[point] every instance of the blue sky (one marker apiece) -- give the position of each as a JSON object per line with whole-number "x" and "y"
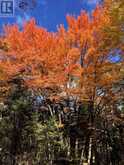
{"x": 49, "y": 13}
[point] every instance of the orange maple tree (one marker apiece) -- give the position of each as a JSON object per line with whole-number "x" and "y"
{"x": 98, "y": 73}
{"x": 78, "y": 55}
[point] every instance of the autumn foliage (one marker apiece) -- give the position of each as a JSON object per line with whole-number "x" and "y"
{"x": 78, "y": 54}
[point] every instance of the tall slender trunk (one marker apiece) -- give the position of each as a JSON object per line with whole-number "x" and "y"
{"x": 90, "y": 152}
{"x": 82, "y": 156}
{"x": 86, "y": 149}
{"x": 69, "y": 147}
{"x": 76, "y": 148}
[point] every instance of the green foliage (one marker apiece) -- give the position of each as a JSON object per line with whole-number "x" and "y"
{"x": 49, "y": 141}
{"x": 23, "y": 137}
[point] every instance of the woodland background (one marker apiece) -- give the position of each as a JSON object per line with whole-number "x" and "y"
{"x": 62, "y": 93}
